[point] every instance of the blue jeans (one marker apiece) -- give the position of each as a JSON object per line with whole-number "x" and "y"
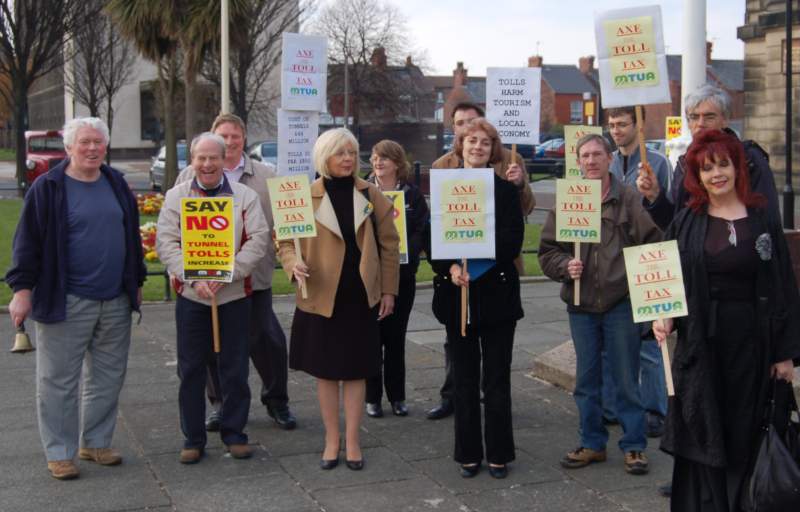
{"x": 615, "y": 332}
{"x": 652, "y": 384}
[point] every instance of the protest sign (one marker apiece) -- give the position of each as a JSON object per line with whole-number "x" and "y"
{"x": 297, "y": 134}
{"x": 631, "y": 59}
{"x": 655, "y": 281}
{"x": 674, "y": 126}
{"x": 398, "y": 199}
{"x": 304, "y": 73}
{"x": 462, "y": 213}
{"x": 207, "y": 238}
{"x": 573, "y": 133}
{"x": 513, "y": 98}
{"x": 292, "y": 211}
{"x": 578, "y": 211}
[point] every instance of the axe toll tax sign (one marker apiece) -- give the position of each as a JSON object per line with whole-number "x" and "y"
{"x": 290, "y": 198}
{"x": 207, "y": 238}
{"x": 572, "y": 134}
{"x": 655, "y": 281}
{"x": 578, "y": 211}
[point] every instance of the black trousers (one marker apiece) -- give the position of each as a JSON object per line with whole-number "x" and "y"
{"x": 267, "y": 345}
{"x": 393, "y": 341}
{"x": 488, "y": 350}
{"x": 195, "y": 349}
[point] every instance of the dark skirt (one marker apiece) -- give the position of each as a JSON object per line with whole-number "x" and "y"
{"x": 345, "y": 346}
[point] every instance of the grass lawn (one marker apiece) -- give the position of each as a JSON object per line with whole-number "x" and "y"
{"x": 154, "y": 286}
{"x": 7, "y": 155}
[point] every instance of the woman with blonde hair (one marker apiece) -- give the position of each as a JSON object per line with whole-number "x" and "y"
{"x": 350, "y": 271}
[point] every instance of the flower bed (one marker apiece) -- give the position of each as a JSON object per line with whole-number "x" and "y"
{"x": 148, "y": 232}
{"x": 150, "y": 203}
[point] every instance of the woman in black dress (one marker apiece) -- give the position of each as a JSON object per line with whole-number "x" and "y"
{"x": 390, "y": 173}
{"x": 351, "y": 284}
{"x": 743, "y": 326}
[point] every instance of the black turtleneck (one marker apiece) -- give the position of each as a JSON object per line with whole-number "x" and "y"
{"x": 340, "y": 190}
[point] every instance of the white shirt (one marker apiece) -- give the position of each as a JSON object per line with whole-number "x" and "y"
{"x": 235, "y": 174}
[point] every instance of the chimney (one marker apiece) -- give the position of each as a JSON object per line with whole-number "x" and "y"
{"x": 409, "y": 62}
{"x": 378, "y": 58}
{"x": 459, "y": 75}
{"x": 586, "y": 64}
{"x": 709, "y": 47}
{"x": 535, "y": 61}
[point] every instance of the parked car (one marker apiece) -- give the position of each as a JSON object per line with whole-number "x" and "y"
{"x": 556, "y": 149}
{"x": 159, "y": 162}
{"x": 548, "y": 145}
{"x": 657, "y": 145}
{"x": 43, "y": 151}
{"x": 447, "y": 142}
{"x": 264, "y": 151}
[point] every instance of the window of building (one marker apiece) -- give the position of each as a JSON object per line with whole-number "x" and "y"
{"x": 576, "y": 111}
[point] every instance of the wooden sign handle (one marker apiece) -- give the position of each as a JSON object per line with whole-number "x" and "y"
{"x": 667, "y": 369}
{"x": 576, "y": 299}
{"x": 513, "y": 153}
{"x": 464, "y": 301}
{"x": 215, "y": 323}
{"x": 299, "y": 255}
{"x": 640, "y": 130}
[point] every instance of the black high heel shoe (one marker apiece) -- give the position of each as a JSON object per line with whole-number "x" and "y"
{"x": 498, "y": 471}
{"x": 329, "y": 463}
{"x": 470, "y": 470}
{"x": 355, "y": 465}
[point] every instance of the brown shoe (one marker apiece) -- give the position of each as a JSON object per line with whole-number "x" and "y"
{"x": 580, "y": 457}
{"x": 63, "y": 469}
{"x": 239, "y": 451}
{"x": 191, "y": 455}
{"x": 104, "y": 456}
{"x": 636, "y": 463}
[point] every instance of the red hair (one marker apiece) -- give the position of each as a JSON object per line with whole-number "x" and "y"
{"x": 714, "y": 145}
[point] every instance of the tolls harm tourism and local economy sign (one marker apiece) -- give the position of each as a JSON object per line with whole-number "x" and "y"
{"x": 578, "y": 211}
{"x": 572, "y": 134}
{"x": 462, "y": 213}
{"x": 655, "y": 281}
{"x": 207, "y": 238}
{"x": 304, "y": 72}
{"x": 631, "y": 59}
{"x": 513, "y": 98}
{"x": 292, "y": 211}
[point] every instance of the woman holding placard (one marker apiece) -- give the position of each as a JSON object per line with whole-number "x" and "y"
{"x": 390, "y": 173}
{"x": 494, "y": 308}
{"x": 743, "y": 326}
{"x": 350, "y": 270}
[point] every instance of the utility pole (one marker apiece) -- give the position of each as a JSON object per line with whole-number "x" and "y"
{"x": 225, "y": 94}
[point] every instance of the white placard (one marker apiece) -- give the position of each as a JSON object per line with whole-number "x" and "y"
{"x": 462, "y": 213}
{"x": 631, "y": 58}
{"x": 304, "y": 76}
{"x": 297, "y": 134}
{"x": 513, "y": 100}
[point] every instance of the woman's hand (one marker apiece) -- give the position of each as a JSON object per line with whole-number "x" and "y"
{"x": 458, "y": 276}
{"x": 783, "y": 370}
{"x": 387, "y": 306}
{"x": 207, "y": 289}
{"x": 575, "y": 268}
{"x": 661, "y": 329}
{"x": 300, "y": 273}
{"x": 514, "y": 175}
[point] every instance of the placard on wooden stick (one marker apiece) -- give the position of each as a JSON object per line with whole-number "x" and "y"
{"x": 572, "y": 134}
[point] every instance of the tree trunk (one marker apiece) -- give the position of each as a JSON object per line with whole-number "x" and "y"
{"x": 170, "y": 140}
{"x": 110, "y": 122}
{"x": 20, "y": 125}
{"x": 190, "y": 95}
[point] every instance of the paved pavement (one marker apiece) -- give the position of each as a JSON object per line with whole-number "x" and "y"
{"x": 408, "y": 460}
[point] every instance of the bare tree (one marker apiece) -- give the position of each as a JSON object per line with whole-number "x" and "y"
{"x": 32, "y": 39}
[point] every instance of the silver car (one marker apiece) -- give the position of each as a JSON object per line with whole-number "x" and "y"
{"x": 159, "y": 162}
{"x": 264, "y": 151}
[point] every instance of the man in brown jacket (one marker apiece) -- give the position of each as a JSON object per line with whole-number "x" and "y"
{"x": 463, "y": 115}
{"x": 604, "y": 319}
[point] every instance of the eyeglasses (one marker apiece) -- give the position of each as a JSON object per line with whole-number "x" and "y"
{"x": 345, "y": 152}
{"x": 621, "y": 126}
{"x": 377, "y": 158}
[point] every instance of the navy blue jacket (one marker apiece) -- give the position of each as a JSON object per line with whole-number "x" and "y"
{"x": 40, "y": 244}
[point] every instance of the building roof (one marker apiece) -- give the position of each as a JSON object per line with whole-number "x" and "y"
{"x": 566, "y": 79}
{"x": 729, "y": 73}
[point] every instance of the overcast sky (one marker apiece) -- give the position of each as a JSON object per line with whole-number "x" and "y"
{"x": 506, "y": 32}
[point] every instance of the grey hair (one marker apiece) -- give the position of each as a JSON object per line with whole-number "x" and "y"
{"x": 708, "y": 92}
{"x": 72, "y": 126}
{"x": 328, "y": 143}
{"x": 207, "y": 136}
{"x": 589, "y": 137}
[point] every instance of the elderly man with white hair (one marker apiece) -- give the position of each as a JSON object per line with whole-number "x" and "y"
{"x": 77, "y": 271}
{"x": 193, "y": 304}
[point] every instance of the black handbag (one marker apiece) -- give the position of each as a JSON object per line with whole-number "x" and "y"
{"x": 775, "y": 480}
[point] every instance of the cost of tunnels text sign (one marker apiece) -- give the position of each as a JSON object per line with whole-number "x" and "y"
{"x": 578, "y": 211}
{"x": 573, "y": 133}
{"x": 513, "y": 97}
{"x": 462, "y": 213}
{"x": 631, "y": 59}
{"x": 655, "y": 281}
{"x": 292, "y": 211}
{"x": 398, "y": 199}
{"x": 207, "y": 238}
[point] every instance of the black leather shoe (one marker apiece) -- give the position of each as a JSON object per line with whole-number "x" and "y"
{"x": 374, "y": 410}
{"x": 470, "y": 470}
{"x": 212, "y": 422}
{"x": 355, "y": 465}
{"x": 443, "y": 410}
{"x": 399, "y": 408}
{"x": 283, "y": 417}
{"x": 498, "y": 471}
{"x": 329, "y": 464}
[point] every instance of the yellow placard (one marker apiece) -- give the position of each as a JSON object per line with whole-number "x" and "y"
{"x": 207, "y": 238}
{"x": 655, "y": 281}
{"x": 292, "y": 211}
{"x": 463, "y": 214}
{"x": 674, "y": 126}
{"x": 632, "y": 52}
{"x": 398, "y": 199}
{"x": 573, "y": 133}
{"x": 578, "y": 211}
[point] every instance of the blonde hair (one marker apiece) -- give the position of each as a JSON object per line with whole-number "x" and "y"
{"x": 328, "y": 144}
